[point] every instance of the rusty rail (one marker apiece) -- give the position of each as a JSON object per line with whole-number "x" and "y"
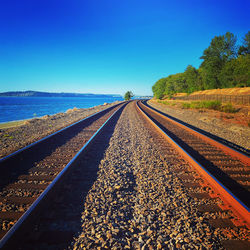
{"x": 236, "y": 205}
{"x": 9, "y": 239}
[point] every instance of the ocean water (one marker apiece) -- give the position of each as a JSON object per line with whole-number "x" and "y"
{"x": 19, "y": 108}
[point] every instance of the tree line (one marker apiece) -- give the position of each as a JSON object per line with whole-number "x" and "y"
{"x": 224, "y": 65}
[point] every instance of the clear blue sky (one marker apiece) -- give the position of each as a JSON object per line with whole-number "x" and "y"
{"x": 108, "y": 46}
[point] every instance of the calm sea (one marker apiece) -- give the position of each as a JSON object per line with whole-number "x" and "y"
{"x": 19, "y": 108}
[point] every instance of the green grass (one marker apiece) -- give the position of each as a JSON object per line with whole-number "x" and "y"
{"x": 167, "y": 103}
{"x": 186, "y": 105}
{"x": 164, "y": 102}
{"x": 215, "y": 105}
{"x": 228, "y": 108}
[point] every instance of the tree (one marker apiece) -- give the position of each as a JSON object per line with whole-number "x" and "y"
{"x": 242, "y": 71}
{"x": 128, "y": 95}
{"x": 236, "y": 73}
{"x": 191, "y": 76}
{"x": 159, "y": 88}
{"x": 223, "y": 66}
{"x": 170, "y": 86}
{"x": 245, "y": 48}
{"x": 221, "y": 50}
{"x": 175, "y": 84}
{"x": 226, "y": 76}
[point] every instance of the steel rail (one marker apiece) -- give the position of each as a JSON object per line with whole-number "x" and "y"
{"x": 235, "y": 204}
{"x": 44, "y": 194}
{"x": 233, "y": 152}
{"x": 49, "y": 136}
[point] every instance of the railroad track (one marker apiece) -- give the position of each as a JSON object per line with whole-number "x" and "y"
{"x": 31, "y": 175}
{"x": 55, "y": 223}
{"x": 224, "y": 169}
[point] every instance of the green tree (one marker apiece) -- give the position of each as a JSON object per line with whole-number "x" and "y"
{"x": 192, "y": 79}
{"x": 245, "y": 48}
{"x": 128, "y": 95}
{"x": 236, "y": 73}
{"x": 159, "y": 88}
{"x": 221, "y": 50}
{"x": 169, "y": 86}
{"x": 226, "y": 76}
{"x": 242, "y": 71}
{"x": 222, "y": 67}
{"x": 175, "y": 84}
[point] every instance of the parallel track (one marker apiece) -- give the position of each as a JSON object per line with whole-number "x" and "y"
{"x": 226, "y": 170}
{"x": 29, "y": 175}
{"x": 55, "y": 223}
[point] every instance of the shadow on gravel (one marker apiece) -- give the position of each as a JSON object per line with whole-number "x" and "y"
{"x": 21, "y": 163}
{"x": 65, "y": 205}
{"x": 215, "y": 137}
{"x": 227, "y": 181}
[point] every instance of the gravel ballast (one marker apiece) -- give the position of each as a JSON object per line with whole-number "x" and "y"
{"x": 138, "y": 201}
{"x": 237, "y": 134}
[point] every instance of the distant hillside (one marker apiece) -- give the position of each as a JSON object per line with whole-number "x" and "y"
{"x": 48, "y": 94}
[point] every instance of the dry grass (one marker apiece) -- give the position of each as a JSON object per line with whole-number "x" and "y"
{"x": 229, "y": 91}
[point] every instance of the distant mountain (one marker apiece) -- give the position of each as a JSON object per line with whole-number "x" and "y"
{"x": 48, "y": 94}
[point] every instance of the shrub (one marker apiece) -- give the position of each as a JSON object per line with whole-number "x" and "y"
{"x": 216, "y": 105}
{"x": 228, "y": 108}
{"x": 186, "y": 105}
{"x": 164, "y": 102}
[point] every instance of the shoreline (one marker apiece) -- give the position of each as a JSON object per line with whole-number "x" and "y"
{"x": 16, "y": 123}
{"x": 25, "y": 108}
{"x": 18, "y": 134}
{"x": 11, "y": 124}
